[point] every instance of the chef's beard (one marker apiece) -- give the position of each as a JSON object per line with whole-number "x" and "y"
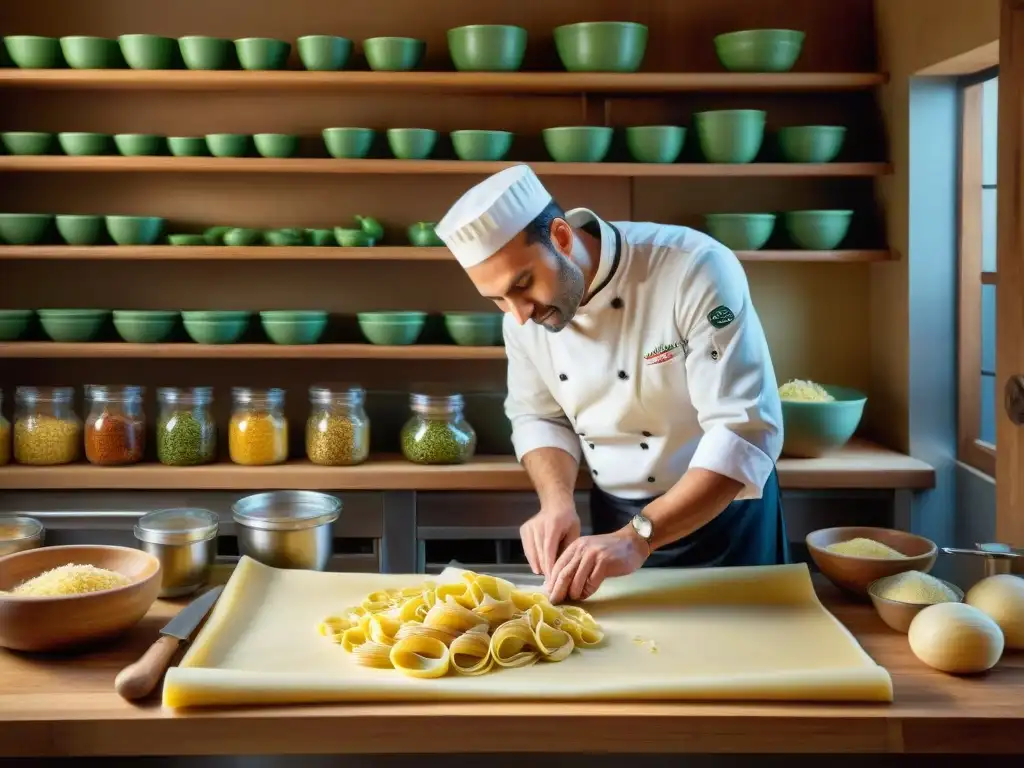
{"x": 555, "y": 317}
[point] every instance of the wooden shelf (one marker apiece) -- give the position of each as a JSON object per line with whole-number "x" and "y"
{"x": 319, "y": 165}
{"x": 188, "y": 351}
{"x": 377, "y": 253}
{"x": 492, "y": 82}
{"x": 859, "y": 465}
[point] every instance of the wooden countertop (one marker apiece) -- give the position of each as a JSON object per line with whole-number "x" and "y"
{"x": 858, "y": 465}
{"x": 66, "y": 706}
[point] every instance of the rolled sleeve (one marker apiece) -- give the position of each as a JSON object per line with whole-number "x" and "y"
{"x": 729, "y": 372}
{"x": 537, "y": 419}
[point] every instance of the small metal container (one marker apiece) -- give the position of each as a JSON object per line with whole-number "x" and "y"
{"x": 184, "y": 540}
{"x": 287, "y": 529}
{"x": 998, "y": 558}
{"x": 18, "y": 534}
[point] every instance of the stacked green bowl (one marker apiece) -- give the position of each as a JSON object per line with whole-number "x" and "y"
{"x": 80, "y": 228}
{"x": 821, "y": 230}
{"x": 72, "y": 325}
{"x": 348, "y": 143}
{"x": 242, "y": 237}
{"x": 227, "y": 144}
{"x": 487, "y": 47}
{"x": 601, "y": 46}
{"x": 759, "y": 50}
{"x": 474, "y": 329}
{"x": 811, "y": 143}
{"x": 291, "y": 327}
{"x": 391, "y": 328}
{"x": 34, "y": 51}
{"x": 276, "y": 144}
{"x": 89, "y": 52}
{"x": 148, "y": 51}
{"x": 393, "y": 54}
{"x": 27, "y": 142}
{"x": 186, "y": 240}
{"x": 741, "y": 231}
{"x": 813, "y": 428}
{"x": 481, "y": 145}
{"x": 14, "y": 323}
{"x": 206, "y": 327}
{"x": 145, "y": 326}
{"x": 24, "y": 228}
{"x": 207, "y": 53}
{"x": 82, "y": 143}
{"x": 412, "y": 143}
{"x": 730, "y": 135}
{"x": 324, "y": 53}
{"x": 188, "y": 146}
{"x": 262, "y": 53}
{"x": 578, "y": 143}
{"x": 655, "y": 143}
{"x": 139, "y": 144}
{"x": 134, "y": 230}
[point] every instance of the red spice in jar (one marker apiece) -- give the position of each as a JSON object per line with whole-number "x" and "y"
{"x": 114, "y": 438}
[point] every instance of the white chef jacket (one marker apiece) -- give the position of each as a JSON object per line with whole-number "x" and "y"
{"x": 665, "y": 367}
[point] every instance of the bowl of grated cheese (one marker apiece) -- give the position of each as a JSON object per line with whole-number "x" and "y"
{"x": 818, "y": 418}
{"x": 900, "y": 597}
{"x": 852, "y": 557}
{"x": 58, "y": 598}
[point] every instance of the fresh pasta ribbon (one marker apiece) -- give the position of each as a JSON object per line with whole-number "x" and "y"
{"x": 421, "y": 657}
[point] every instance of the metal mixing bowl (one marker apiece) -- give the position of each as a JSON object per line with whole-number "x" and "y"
{"x": 20, "y": 533}
{"x": 287, "y": 529}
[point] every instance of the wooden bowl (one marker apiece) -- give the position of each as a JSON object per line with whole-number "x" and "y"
{"x": 59, "y": 623}
{"x": 897, "y": 614}
{"x": 855, "y": 574}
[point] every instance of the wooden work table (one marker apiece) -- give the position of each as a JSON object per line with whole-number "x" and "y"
{"x": 66, "y": 706}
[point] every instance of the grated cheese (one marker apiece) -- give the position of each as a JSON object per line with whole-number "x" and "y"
{"x": 71, "y": 579}
{"x": 805, "y": 391}
{"x": 917, "y": 588}
{"x": 861, "y": 547}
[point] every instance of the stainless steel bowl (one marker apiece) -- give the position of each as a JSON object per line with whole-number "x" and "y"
{"x": 18, "y": 534}
{"x": 184, "y": 540}
{"x": 287, "y": 529}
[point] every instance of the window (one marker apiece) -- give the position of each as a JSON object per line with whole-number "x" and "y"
{"x": 978, "y": 398}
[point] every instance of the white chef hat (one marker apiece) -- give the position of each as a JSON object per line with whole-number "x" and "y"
{"x": 490, "y": 214}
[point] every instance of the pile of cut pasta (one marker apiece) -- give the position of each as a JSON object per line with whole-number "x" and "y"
{"x": 468, "y": 627}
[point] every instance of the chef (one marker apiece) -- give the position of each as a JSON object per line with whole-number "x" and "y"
{"x": 636, "y": 346}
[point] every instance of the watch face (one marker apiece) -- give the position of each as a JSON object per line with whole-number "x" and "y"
{"x": 643, "y": 526}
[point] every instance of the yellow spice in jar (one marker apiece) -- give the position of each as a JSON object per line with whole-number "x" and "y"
{"x": 915, "y": 587}
{"x": 46, "y": 440}
{"x": 861, "y": 547}
{"x": 257, "y": 438}
{"x": 5, "y": 441}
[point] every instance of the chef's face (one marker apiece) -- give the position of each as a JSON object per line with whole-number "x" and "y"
{"x": 532, "y": 279}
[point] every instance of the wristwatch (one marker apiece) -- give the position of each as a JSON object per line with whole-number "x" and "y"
{"x": 644, "y": 528}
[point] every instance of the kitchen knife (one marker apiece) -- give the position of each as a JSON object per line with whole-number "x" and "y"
{"x": 137, "y": 680}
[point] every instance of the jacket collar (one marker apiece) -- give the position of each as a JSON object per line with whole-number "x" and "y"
{"x": 611, "y": 250}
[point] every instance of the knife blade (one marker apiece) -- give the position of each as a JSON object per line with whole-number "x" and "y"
{"x": 137, "y": 680}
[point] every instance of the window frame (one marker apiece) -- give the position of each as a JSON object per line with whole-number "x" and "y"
{"x": 971, "y": 450}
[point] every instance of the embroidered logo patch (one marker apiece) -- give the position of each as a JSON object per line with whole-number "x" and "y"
{"x": 662, "y": 353}
{"x": 721, "y": 316}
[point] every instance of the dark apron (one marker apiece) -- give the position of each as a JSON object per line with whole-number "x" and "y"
{"x": 750, "y": 532}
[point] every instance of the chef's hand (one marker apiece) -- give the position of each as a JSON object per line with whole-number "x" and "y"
{"x": 587, "y": 562}
{"x": 546, "y": 534}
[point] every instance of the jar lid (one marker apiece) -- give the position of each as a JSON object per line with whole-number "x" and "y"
{"x": 246, "y": 396}
{"x": 44, "y": 394}
{"x": 286, "y": 510}
{"x": 102, "y": 393}
{"x": 328, "y": 393}
{"x": 182, "y": 525}
{"x": 188, "y": 395}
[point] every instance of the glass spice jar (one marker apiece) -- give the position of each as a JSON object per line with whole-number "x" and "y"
{"x": 338, "y": 429}
{"x": 186, "y": 433}
{"x": 258, "y": 431}
{"x": 437, "y": 433}
{"x": 5, "y": 434}
{"x": 115, "y": 427}
{"x": 46, "y": 429}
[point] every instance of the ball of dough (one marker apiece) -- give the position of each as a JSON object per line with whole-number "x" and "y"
{"x": 956, "y": 638}
{"x": 1002, "y": 598}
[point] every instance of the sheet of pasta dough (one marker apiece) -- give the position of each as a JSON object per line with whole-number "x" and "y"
{"x": 720, "y": 634}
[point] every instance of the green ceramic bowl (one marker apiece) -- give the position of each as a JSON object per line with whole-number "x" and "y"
{"x": 139, "y": 144}
{"x": 27, "y": 142}
{"x": 321, "y": 238}
{"x": 601, "y": 46}
{"x": 655, "y": 143}
{"x": 134, "y": 230}
{"x": 412, "y": 143}
{"x": 34, "y": 52}
{"x": 393, "y": 54}
{"x": 72, "y": 325}
{"x": 348, "y": 143}
{"x": 80, "y": 143}
{"x": 80, "y": 229}
{"x": 291, "y": 327}
{"x": 147, "y": 326}
{"x": 227, "y": 144}
{"x": 811, "y": 143}
{"x": 276, "y": 144}
{"x": 759, "y": 50}
{"x": 24, "y": 228}
{"x": 148, "y": 51}
{"x": 422, "y": 234}
{"x": 813, "y": 428}
{"x": 474, "y": 329}
{"x": 215, "y": 235}
{"x": 353, "y": 238}
{"x": 188, "y": 146}
{"x": 741, "y": 231}
{"x": 481, "y": 145}
{"x": 87, "y": 52}
{"x": 202, "y": 52}
{"x": 730, "y": 135}
{"x": 391, "y": 328}
{"x": 242, "y": 237}
{"x": 324, "y": 53}
{"x": 14, "y": 323}
{"x": 205, "y": 327}
{"x": 487, "y": 47}
{"x": 262, "y": 53}
{"x": 183, "y": 240}
{"x": 285, "y": 238}
{"x": 818, "y": 230}
{"x": 578, "y": 143}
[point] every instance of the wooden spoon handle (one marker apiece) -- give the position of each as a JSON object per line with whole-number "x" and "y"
{"x": 137, "y": 680}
